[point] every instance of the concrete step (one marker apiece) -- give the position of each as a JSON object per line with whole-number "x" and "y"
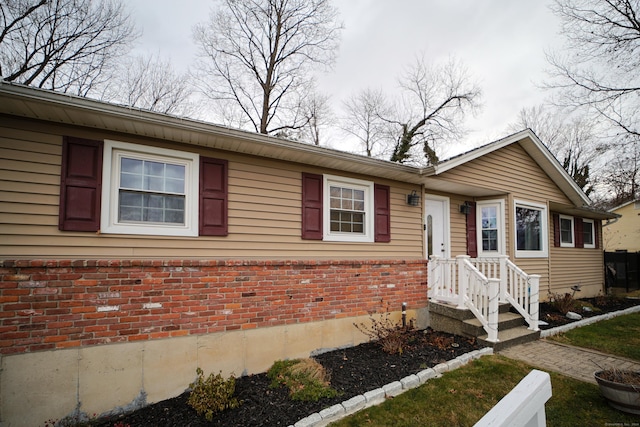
{"x": 508, "y": 320}
{"x": 450, "y": 310}
{"x": 510, "y": 337}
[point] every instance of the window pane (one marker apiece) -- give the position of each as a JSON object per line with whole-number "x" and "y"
{"x": 132, "y": 166}
{"x": 528, "y": 229}
{"x": 566, "y": 226}
{"x": 588, "y": 233}
{"x": 489, "y": 240}
{"x": 156, "y": 208}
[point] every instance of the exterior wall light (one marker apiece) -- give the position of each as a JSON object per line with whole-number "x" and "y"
{"x": 413, "y": 199}
{"x": 465, "y": 208}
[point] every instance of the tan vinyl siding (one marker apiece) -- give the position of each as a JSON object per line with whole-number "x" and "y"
{"x": 624, "y": 233}
{"x": 264, "y": 208}
{"x": 512, "y": 172}
{"x": 577, "y": 266}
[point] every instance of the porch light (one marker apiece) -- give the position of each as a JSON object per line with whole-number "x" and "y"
{"x": 413, "y": 199}
{"x": 465, "y": 208}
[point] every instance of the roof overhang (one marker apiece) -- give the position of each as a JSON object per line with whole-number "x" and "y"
{"x": 583, "y": 212}
{"x": 28, "y": 102}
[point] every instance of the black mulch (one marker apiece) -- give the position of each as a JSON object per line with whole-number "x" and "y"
{"x": 353, "y": 370}
{"x": 603, "y": 305}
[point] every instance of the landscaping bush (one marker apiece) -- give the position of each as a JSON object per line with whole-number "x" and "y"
{"x": 390, "y": 335}
{"x": 212, "y": 395}
{"x": 306, "y": 379}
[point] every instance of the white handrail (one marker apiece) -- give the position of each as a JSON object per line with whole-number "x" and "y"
{"x": 480, "y": 296}
{"x": 469, "y": 283}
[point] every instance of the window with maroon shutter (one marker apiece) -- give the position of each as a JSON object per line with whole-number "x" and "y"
{"x": 213, "y": 197}
{"x": 80, "y": 185}
{"x": 312, "y": 218}
{"x": 472, "y": 236}
{"x": 382, "y": 213}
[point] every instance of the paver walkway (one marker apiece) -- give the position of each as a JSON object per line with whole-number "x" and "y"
{"x": 575, "y": 362}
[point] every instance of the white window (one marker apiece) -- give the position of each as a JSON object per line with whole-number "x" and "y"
{"x": 566, "y": 231}
{"x": 589, "y": 232}
{"x": 348, "y": 214}
{"x": 531, "y": 230}
{"x": 148, "y": 190}
{"x": 491, "y": 238}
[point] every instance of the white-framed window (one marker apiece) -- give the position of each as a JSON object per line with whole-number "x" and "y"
{"x": 149, "y": 190}
{"x": 531, "y": 230}
{"x": 490, "y": 220}
{"x": 567, "y": 238}
{"x": 589, "y": 233}
{"x": 348, "y": 214}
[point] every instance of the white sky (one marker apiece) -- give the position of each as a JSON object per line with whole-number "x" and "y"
{"x": 501, "y": 42}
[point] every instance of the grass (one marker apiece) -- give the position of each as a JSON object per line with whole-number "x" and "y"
{"x": 463, "y": 396}
{"x": 622, "y": 336}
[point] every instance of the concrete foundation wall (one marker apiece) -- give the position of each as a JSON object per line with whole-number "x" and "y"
{"x": 96, "y": 380}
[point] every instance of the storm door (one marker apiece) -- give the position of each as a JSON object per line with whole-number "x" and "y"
{"x": 436, "y": 226}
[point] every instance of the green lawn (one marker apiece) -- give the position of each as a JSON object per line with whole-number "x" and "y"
{"x": 461, "y": 397}
{"x": 619, "y": 336}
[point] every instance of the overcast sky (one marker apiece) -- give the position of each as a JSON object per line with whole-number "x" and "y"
{"x": 502, "y": 43}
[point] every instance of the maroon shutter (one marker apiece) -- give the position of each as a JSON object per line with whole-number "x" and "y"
{"x": 556, "y": 230}
{"x": 312, "y": 206}
{"x": 578, "y": 231}
{"x": 213, "y": 197}
{"x": 382, "y": 209}
{"x": 80, "y": 185}
{"x": 472, "y": 231}
{"x": 597, "y": 227}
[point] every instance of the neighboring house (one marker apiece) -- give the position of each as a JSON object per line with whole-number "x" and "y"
{"x": 138, "y": 246}
{"x": 623, "y": 234}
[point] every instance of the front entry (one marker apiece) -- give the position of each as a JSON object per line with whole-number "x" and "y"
{"x": 436, "y": 225}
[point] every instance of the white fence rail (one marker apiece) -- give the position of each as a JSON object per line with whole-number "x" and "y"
{"x": 523, "y": 406}
{"x": 479, "y": 283}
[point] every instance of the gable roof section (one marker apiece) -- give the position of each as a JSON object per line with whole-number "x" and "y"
{"x": 534, "y": 148}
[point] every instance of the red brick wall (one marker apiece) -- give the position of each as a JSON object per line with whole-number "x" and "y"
{"x": 49, "y": 304}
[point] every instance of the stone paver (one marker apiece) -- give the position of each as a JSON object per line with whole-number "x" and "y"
{"x": 571, "y": 361}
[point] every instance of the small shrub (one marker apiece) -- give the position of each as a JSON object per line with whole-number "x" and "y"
{"x": 212, "y": 395}
{"x": 562, "y": 303}
{"x": 306, "y": 379}
{"x": 390, "y": 335}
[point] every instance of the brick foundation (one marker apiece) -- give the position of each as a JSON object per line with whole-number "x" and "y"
{"x": 49, "y": 304}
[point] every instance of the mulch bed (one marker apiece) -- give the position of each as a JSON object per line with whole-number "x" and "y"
{"x": 354, "y": 371}
{"x": 603, "y": 305}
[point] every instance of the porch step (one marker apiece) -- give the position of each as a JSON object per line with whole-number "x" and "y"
{"x": 510, "y": 337}
{"x": 512, "y": 328}
{"x": 506, "y": 321}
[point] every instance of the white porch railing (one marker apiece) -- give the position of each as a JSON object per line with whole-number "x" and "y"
{"x": 479, "y": 283}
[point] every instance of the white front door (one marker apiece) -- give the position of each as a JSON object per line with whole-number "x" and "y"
{"x": 436, "y": 222}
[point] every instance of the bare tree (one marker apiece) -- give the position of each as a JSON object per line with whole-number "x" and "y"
{"x": 572, "y": 140}
{"x": 259, "y": 54}
{"x": 601, "y": 70}
{"x": 362, "y": 120}
{"x": 318, "y": 117}
{"x": 621, "y": 179}
{"x": 433, "y": 103}
{"x": 149, "y": 82}
{"x": 63, "y": 45}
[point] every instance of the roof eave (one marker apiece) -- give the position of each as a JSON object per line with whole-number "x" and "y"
{"x": 27, "y": 102}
